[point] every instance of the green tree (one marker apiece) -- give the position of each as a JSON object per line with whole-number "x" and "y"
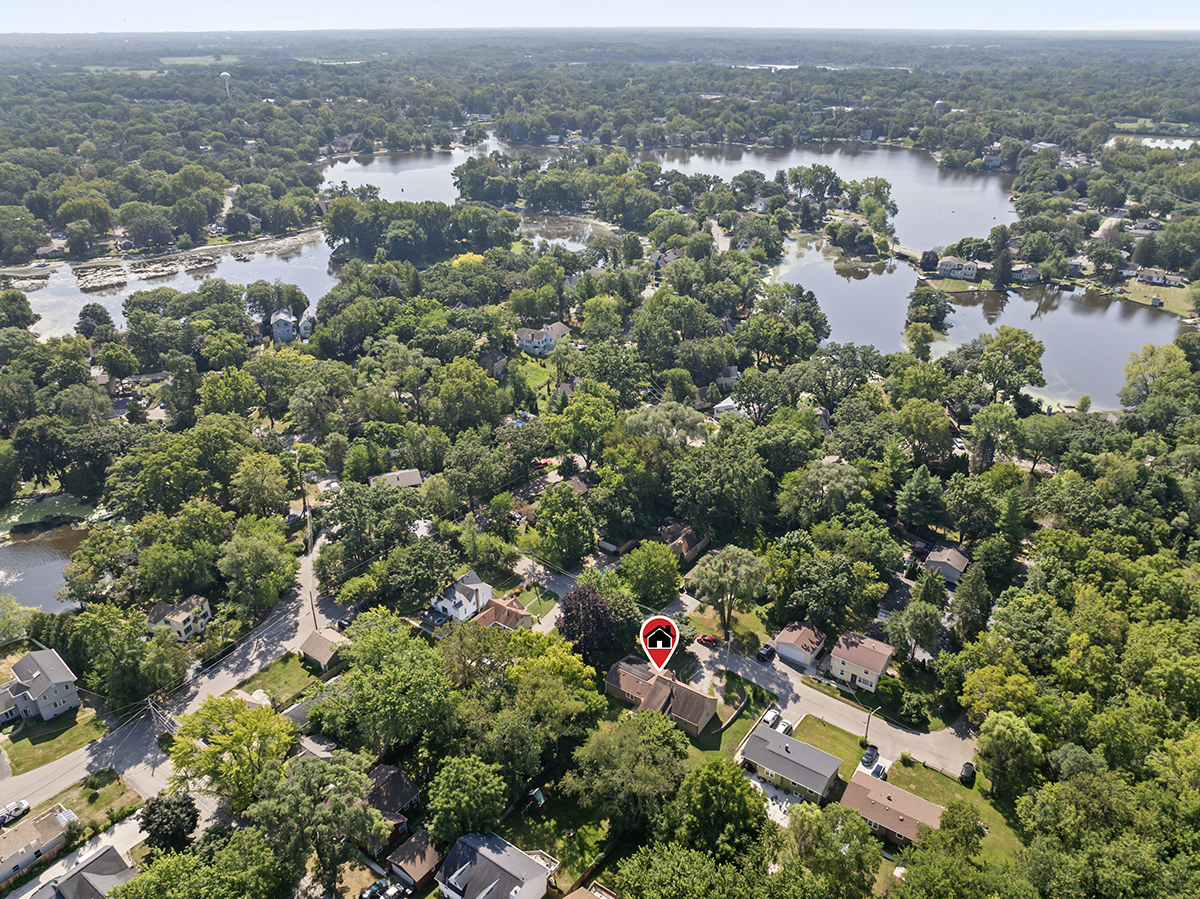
{"x": 1012, "y": 360}
{"x": 257, "y": 563}
{"x": 836, "y": 844}
{"x": 930, "y": 306}
{"x": 1008, "y": 750}
{"x": 308, "y": 801}
{"x": 588, "y": 417}
{"x": 926, "y": 429}
{"x": 971, "y": 605}
{"x": 673, "y": 871}
{"x": 260, "y": 487}
{"x": 230, "y": 391}
{"x": 466, "y": 796}
{"x": 994, "y": 431}
{"x": 628, "y": 772}
{"x": 728, "y": 581}
{"x": 652, "y": 572}
{"x": 224, "y": 747}
{"x": 919, "y": 501}
{"x": 917, "y": 624}
{"x": 418, "y": 572}
{"x": 565, "y": 525}
{"x": 14, "y": 618}
{"x": 118, "y": 363}
{"x": 716, "y": 809}
{"x": 1044, "y": 437}
{"x": 586, "y": 619}
{"x": 244, "y": 863}
{"x": 168, "y": 820}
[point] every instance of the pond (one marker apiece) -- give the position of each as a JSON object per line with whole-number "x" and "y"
{"x": 32, "y": 561}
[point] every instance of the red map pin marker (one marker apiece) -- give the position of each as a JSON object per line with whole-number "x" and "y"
{"x": 660, "y": 636}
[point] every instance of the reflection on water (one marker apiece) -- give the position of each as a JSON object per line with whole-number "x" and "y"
{"x": 31, "y": 561}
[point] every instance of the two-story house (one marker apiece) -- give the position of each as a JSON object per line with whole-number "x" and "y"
{"x": 953, "y": 267}
{"x": 42, "y": 685}
{"x": 465, "y": 598}
{"x": 187, "y": 619}
{"x": 485, "y": 866}
{"x": 859, "y": 661}
{"x": 283, "y": 326}
{"x": 31, "y": 841}
{"x": 308, "y": 321}
{"x": 540, "y": 341}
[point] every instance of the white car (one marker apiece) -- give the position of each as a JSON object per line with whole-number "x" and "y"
{"x": 13, "y": 811}
{"x": 784, "y": 727}
{"x": 771, "y": 717}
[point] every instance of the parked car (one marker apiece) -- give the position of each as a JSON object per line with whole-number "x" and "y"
{"x": 958, "y": 444}
{"x": 880, "y": 772}
{"x": 771, "y": 718}
{"x": 784, "y": 727}
{"x": 967, "y": 774}
{"x": 709, "y": 640}
{"x": 375, "y": 889}
{"x": 870, "y": 756}
{"x": 540, "y": 464}
{"x": 13, "y": 811}
{"x": 765, "y": 654}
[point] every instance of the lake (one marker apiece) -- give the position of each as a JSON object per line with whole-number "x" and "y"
{"x": 31, "y": 563}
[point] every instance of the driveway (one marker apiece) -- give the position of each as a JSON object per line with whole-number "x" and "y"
{"x": 946, "y": 749}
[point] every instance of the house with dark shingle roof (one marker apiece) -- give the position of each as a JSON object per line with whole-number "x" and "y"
{"x": 395, "y": 797}
{"x": 790, "y": 764}
{"x": 799, "y": 643}
{"x": 321, "y": 647}
{"x": 42, "y": 685}
{"x": 416, "y": 860}
{"x": 632, "y": 680}
{"x": 91, "y": 880}
{"x": 889, "y": 811}
{"x": 480, "y": 866}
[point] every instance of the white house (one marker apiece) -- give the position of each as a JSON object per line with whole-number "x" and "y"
{"x": 728, "y": 377}
{"x": 480, "y": 866}
{"x": 953, "y": 267}
{"x": 859, "y": 661}
{"x": 1026, "y": 273}
{"x": 283, "y": 326}
{"x": 408, "y": 477}
{"x": 799, "y": 644}
{"x": 308, "y": 321}
{"x": 32, "y": 841}
{"x": 728, "y": 405}
{"x": 540, "y": 341}
{"x": 465, "y": 598}
{"x": 42, "y": 684}
{"x": 186, "y": 619}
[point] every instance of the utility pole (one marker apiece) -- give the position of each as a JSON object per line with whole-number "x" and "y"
{"x": 869, "y": 714}
{"x": 316, "y": 626}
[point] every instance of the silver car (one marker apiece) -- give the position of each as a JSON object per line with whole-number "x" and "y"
{"x": 784, "y": 727}
{"x": 13, "y": 811}
{"x": 771, "y": 717}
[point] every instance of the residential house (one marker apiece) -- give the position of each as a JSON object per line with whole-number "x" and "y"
{"x": 859, "y": 661}
{"x": 32, "y": 840}
{"x": 283, "y": 326}
{"x": 540, "y": 341}
{"x": 308, "y": 321}
{"x": 480, "y": 866}
{"x": 408, "y": 477}
{"x": 507, "y": 613}
{"x": 632, "y": 680}
{"x": 321, "y": 647}
{"x": 683, "y": 540}
{"x": 1027, "y": 273}
{"x": 1127, "y": 268}
{"x": 255, "y": 700}
{"x": 890, "y": 812}
{"x": 465, "y": 598}
{"x": 92, "y": 879}
{"x": 416, "y": 860}
{"x": 187, "y": 619}
{"x": 41, "y": 684}
{"x": 728, "y": 405}
{"x": 799, "y": 643}
{"x": 760, "y": 205}
{"x": 395, "y": 797}
{"x": 728, "y": 377}
{"x": 1075, "y": 266}
{"x": 315, "y": 746}
{"x": 494, "y": 362}
{"x": 1152, "y": 275}
{"x": 949, "y": 559}
{"x": 790, "y": 764}
{"x": 953, "y": 267}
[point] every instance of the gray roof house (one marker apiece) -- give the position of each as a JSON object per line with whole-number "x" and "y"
{"x": 482, "y": 866}
{"x": 949, "y": 559}
{"x": 791, "y": 764}
{"x": 91, "y": 880}
{"x": 465, "y": 598}
{"x": 283, "y": 325}
{"x": 42, "y": 684}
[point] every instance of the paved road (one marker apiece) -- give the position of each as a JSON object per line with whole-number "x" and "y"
{"x": 133, "y": 749}
{"x": 946, "y": 749}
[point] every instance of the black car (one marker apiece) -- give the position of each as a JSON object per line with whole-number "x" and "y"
{"x": 765, "y": 654}
{"x": 870, "y": 756}
{"x": 967, "y": 774}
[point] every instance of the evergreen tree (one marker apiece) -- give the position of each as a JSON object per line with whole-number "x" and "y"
{"x": 972, "y": 604}
{"x": 919, "y": 502}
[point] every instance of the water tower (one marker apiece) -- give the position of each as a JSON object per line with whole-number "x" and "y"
{"x": 939, "y": 107}
{"x": 226, "y": 77}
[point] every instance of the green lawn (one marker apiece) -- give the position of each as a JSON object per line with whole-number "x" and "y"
{"x": 833, "y": 740}
{"x": 709, "y": 746}
{"x": 10, "y": 655}
{"x": 41, "y": 742}
{"x": 1001, "y": 842}
{"x": 749, "y": 630}
{"x": 883, "y": 877}
{"x": 92, "y": 802}
{"x": 282, "y": 679}
{"x": 546, "y": 829}
{"x": 538, "y": 602}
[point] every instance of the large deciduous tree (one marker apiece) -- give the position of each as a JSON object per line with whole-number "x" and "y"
{"x": 467, "y": 795}
{"x": 168, "y": 820}
{"x": 728, "y": 581}
{"x": 652, "y": 573}
{"x": 716, "y": 809}
{"x": 565, "y": 525}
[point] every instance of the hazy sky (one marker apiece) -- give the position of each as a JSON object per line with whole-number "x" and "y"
{"x": 260, "y": 15}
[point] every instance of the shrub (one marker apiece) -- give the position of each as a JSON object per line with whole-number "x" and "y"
{"x": 914, "y": 710}
{"x": 906, "y": 759}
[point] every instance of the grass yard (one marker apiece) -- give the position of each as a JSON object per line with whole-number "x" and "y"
{"x": 356, "y": 877}
{"x": 92, "y": 805}
{"x": 709, "y": 746}
{"x": 10, "y": 655}
{"x": 1174, "y": 299}
{"x": 546, "y": 829}
{"x": 833, "y": 740}
{"x": 749, "y": 630}
{"x": 1001, "y": 842}
{"x": 538, "y": 602}
{"x": 883, "y": 877}
{"x": 282, "y": 679}
{"x": 41, "y": 742}
{"x": 501, "y": 582}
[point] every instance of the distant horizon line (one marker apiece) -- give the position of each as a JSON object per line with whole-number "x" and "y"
{"x": 1171, "y": 32}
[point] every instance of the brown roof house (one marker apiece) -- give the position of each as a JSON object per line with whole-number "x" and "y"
{"x": 859, "y": 661}
{"x": 395, "y": 797}
{"x": 790, "y": 764}
{"x": 683, "y": 540}
{"x": 632, "y": 680}
{"x": 889, "y": 811}
{"x": 321, "y": 647}
{"x": 505, "y": 612}
{"x": 416, "y": 860}
{"x": 949, "y": 559}
{"x": 187, "y": 619}
{"x": 408, "y": 477}
{"x": 32, "y": 841}
{"x": 799, "y": 643}
{"x": 494, "y": 362}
